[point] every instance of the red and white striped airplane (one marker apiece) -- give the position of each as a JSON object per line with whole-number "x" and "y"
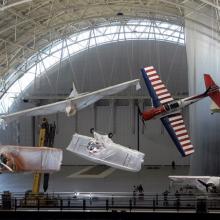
{"x": 169, "y": 110}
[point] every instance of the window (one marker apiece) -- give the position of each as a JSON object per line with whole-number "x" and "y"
{"x": 61, "y": 49}
{"x": 174, "y": 105}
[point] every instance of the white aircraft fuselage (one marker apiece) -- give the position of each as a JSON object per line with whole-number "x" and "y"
{"x": 207, "y": 184}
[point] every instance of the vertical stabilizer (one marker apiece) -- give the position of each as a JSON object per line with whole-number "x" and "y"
{"x": 213, "y": 89}
{"x": 74, "y": 92}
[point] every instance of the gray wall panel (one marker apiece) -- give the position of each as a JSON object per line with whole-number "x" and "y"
{"x": 203, "y": 57}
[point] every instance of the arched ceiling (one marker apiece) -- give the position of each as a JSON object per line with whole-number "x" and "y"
{"x": 27, "y": 26}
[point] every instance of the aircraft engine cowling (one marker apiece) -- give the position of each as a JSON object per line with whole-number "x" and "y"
{"x": 153, "y": 112}
{"x": 71, "y": 109}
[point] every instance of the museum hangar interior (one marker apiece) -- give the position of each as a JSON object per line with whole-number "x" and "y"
{"x": 47, "y": 46}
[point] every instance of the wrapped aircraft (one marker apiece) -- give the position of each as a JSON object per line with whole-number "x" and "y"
{"x": 30, "y": 159}
{"x": 101, "y": 149}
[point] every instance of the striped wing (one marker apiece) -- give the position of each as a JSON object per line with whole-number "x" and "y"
{"x": 177, "y": 130}
{"x": 157, "y": 90}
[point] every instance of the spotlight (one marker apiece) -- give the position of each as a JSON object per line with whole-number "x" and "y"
{"x": 120, "y": 14}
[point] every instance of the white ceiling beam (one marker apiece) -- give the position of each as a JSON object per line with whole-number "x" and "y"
{"x": 211, "y": 4}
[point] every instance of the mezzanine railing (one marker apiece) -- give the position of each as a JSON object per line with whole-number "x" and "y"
{"x": 110, "y": 201}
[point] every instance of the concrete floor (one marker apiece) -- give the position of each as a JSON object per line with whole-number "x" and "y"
{"x": 154, "y": 179}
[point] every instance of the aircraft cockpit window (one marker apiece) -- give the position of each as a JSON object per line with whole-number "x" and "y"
{"x": 174, "y": 105}
{"x": 167, "y": 107}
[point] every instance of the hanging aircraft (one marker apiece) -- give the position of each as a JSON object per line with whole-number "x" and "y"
{"x": 29, "y": 159}
{"x": 101, "y": 149}
{"x": 207, "y": 184}
{"x": 169, "y": 110}
{"x": 72, "y": 104}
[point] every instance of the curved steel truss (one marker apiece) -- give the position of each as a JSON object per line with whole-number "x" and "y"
{"x": 27, "y": 27}
{"x": 62, "y": 49}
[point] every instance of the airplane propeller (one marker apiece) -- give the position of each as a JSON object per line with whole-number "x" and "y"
{"x": 140, "y": 114}
{"x": 208, "y": 186}
{"x": 2, "y": 163}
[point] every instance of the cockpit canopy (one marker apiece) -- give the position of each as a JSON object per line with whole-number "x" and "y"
{"x": 172, "y": 105}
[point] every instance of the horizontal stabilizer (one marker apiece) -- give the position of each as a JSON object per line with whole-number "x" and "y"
{"x": 214, "y": 108}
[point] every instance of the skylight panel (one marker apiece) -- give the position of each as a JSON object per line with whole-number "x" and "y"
{"x": 15, "y": 88}
{"x": 83, "y": 36}
{"x": 25, "y": 80}
{"x": 107, "y": 33}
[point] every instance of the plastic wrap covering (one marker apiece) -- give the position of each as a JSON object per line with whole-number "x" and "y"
{"x": 202, "y": 183}
{"x": 103, "y": 150}
{"x": 30, "y": 159}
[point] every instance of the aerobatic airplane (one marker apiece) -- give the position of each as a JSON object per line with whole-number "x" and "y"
{"x": 73, "y": 103}
{"x": 169, "y": 110}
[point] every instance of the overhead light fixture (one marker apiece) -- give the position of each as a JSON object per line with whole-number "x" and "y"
{"x": 120, "y": 14}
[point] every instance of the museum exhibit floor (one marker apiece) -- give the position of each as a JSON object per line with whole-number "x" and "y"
{"x": 154, "y": 179}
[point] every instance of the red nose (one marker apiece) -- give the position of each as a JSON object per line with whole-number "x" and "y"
{"x": 151, "y": 113}
{"x": 147, "y": 115}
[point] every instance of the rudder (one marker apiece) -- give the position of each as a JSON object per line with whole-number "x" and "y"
{"x": 213, "y": 89}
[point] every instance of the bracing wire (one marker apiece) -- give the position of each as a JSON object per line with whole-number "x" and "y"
{"x": 71, "y": 67}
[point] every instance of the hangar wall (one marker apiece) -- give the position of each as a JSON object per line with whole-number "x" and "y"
{"x": 203, "y": 50}
{"x": 103, "y": 66}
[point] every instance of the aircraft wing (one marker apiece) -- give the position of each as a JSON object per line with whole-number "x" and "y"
{"x": 157, "y": 90}
{"x": 176, "y": 128}
{"x": 189, "y": 178}
{"x": 79, "y": 102}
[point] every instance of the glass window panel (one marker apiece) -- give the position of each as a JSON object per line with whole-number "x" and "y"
{"x": 83, "y": 36}
{"x": 133, "y": 29}
{"x": 121, "y": 36}
{"x": 141, "y": 29}
{"x": 26, "y": 80}
{"x": 15, "y": 88}
{"x": 92, "y": 42}
{"x": 151, "y": 36}
{"x": 56, "y": 47}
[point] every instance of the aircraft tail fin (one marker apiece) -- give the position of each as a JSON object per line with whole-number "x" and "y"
{"x": 74, "y": 92}
{"x": 212, "y": 89}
